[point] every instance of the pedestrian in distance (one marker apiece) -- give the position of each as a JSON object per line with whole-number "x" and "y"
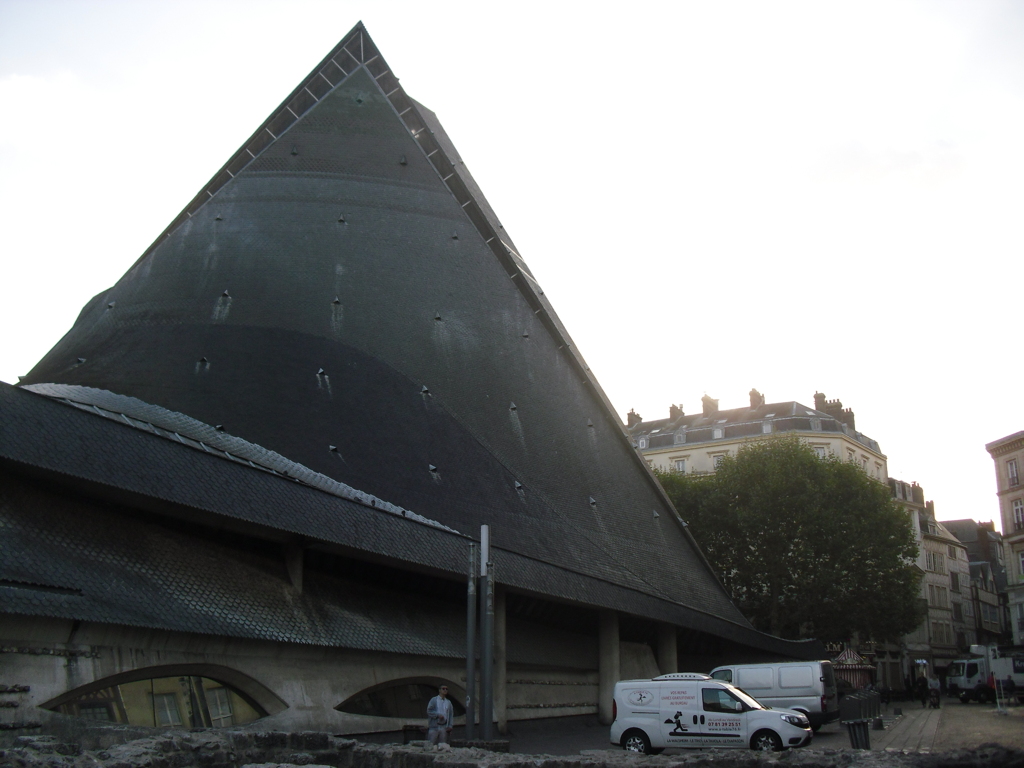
{"x": 934, "y": 691}
{"x": 922, "y": 689}
{"x": 440, "y": 717}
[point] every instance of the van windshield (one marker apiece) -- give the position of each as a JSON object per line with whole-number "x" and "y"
{"x": 956, "y": 669}
{"x": 745, "y": 697}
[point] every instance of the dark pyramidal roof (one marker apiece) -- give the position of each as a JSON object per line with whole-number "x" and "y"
{"x": 341, "y": 294}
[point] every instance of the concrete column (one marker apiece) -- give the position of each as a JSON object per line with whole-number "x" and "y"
{"x": 668, "y": 655}
{"x": 607, "y": 664}
{"x": 500, "y": 662}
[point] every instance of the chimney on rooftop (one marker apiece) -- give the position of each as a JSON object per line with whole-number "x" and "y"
{"x": 756, "y": 399}
{"x": 633, "y": 418}
{"x": 710, "y": 405}
{"x": 834, "y": 408}
{"x": 675, "y": 411}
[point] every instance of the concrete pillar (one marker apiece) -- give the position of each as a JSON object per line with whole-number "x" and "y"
{"x": 500, "y": 662}
{"x": 668, "y": 654}
{"x": 607, "y": 664}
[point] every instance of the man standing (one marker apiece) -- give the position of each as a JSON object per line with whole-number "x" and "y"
{"x": 440, "y": 717}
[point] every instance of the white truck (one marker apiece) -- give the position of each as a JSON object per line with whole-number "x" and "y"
{"x": 976, "y": 678}
{"x": 691, "y": 710}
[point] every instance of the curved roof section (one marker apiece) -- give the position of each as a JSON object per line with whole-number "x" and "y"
{"x": 341, "y": 283}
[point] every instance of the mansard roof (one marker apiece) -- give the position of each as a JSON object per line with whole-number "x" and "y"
{"x": 341, "y": 297}
{"x": 789, "y": 416}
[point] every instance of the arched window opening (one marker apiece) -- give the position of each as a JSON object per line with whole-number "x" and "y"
{"x": 185, "y": 701}
{"x": 405, "y": 699}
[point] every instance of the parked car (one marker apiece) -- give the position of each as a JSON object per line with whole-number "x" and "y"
{"x": 805, "y": 686}
{"x": 690, "y": 709}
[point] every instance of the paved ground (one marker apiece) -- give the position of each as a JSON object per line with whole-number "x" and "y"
{"x": 953, "y": 726}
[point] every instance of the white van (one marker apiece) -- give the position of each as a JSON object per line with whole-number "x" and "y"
{"x": 692, "y": 710}
{"x": 804, "y": 686}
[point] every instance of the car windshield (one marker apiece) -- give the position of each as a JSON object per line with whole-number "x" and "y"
{"x": 746, "y": 698}
{"x": 956, "y": 669}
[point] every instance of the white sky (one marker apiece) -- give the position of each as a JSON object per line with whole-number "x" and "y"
{"x": 715, "y": 195}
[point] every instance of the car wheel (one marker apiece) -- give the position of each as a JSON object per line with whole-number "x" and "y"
{"x": 636, "y": 741}
{"x": 965, "y": 698}
{"x": 766, "y": 741}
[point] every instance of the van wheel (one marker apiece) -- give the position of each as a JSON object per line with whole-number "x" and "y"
{"x": 636, "y": 741}
{"x": 766, "y": 741}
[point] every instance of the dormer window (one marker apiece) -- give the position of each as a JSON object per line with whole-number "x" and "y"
{"x": 680, "y": 437}
{"x": 642, "y": 442}
{"x": 717, "y": 433}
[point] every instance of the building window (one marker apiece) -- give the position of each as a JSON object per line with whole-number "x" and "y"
{"x": 819, "y": 451}
{"x": 219, "y": 702}
{"x": 954, "y": 581}
{"x": 938, "y": 597}
{"x": 958, "y": 613}
{"x": 717, "y": 433}
{"x": 766, "y": 427}
{"x": 934, "y": 561}
{"x": 681, "y": 466}
{"x": 1018, "y": 514}
{"x": 850, "y": 456}
{"x": 643, "y": 442}
{"x": 716, "y": 461}
{"x": 165, "y": 709}
{"x": 1020, "y": 556}
{"x": 1011, "y": 473}
{"x": 951, "y": 552}
{"x": 680, "y": 437}
{"x": 968, "y": 610}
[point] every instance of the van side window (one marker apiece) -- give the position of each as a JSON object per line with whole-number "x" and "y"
{"x": 795, "y": 677}
{"x": 723, "y": 674}
{"x": 717, "y": 700}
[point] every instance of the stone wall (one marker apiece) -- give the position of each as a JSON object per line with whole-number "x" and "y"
{"x": 238, "y": 749}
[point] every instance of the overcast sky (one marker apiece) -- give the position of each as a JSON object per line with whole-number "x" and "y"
{"x": 796, "y": 197}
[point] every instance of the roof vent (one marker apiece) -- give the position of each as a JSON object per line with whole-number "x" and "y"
{"x": 81, "y": 360}
{"x": 424, "y": 390}
{"x": 203, "y": 360}
{"x": 295, "y": 150}
{"x": 402, "y": 160}
{"x": 512, "y": 406}
{"x": 519, "y": 486}
{"x": 590, "y": 423}
{"x": 226, "y": 293}
{"x": 334, "y": 449}
{"x": 593, "y": 501}
{"x": 437, "y": 315}
{"x": 110, "y": 305}
{"x": 220, "y": 428}
{"x": 432, "y": 468}
{"x": 320, "y": 371}
{"x": 455, "y": 235}
{"x": 526, "y": 334}
{"x": 655, "y": 513}
{"x": 336, "y": 300}
{"x": 218, "y": 217}
{"x": 341, "y": 218}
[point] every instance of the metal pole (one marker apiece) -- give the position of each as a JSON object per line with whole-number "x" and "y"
{"x": 486, "y": 636}
{"x": 487, "y": 657}
{"x": 471, "y": 645}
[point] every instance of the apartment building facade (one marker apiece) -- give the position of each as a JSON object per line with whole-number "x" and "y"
{"x": 1008, "y": 456}
{"x": 697, "y": 443}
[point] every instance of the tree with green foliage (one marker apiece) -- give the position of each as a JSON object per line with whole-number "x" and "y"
{"x": 806, "y": 546}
